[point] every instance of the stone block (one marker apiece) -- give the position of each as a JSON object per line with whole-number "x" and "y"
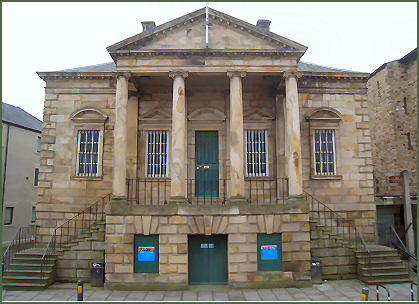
{"x": 248, "y": 267}
{"x": 238, "y": 219}
{"x": 116, "y": 239}
{"x": 237, "y": 238}
{"x": 301, "y": 217}
{"x": 114, "y": 258}
{"x": 178, "y": 259}
{"x": 177, "y": 219}
{"x": 177, "y": 239}
{"x": 168, "y": 268}
{"x": 122, "y": 268}
{"x": 114, "y": 219}
{"x": 237, "y": 258}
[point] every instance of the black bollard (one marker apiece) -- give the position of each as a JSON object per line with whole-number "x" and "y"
{"x": 79, "y": 290}
{"x": 364, "y": 296}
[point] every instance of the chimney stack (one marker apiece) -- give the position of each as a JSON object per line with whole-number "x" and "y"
{"x": 263, "y": 24}
{"x": 148, "y": 25}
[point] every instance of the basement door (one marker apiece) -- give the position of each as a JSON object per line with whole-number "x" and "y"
{"x": 207, "y": 257}
{"x": 206, "y": 164}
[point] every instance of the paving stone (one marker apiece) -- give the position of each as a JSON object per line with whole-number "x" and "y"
{"x": 136, "y": 295}
{"x": 236, "y": 295}
{"x": 189, "y": 296}
{"x": 220, "y": 296}
{"x": 154, "y": 296}
{"x": 205, "y": 296}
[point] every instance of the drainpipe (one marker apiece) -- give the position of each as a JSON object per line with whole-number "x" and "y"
{"x": 5, "y": 165}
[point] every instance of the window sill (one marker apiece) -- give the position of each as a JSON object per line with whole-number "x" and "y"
{"x": 92, "y": 178}
{"x": 267, "y": 178}
{"x": 327, "y": 177}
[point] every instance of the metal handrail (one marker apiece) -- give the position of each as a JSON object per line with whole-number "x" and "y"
{"x": 378, "y": 294}
{"x": 342, "y": 226}
{"x": 364, "y": 244}
{"x": 404, "y": 249}
{"x": 68, "y": 227}
{"x": 23, "y": 237}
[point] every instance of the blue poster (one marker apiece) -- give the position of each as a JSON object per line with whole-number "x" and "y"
{"x": 269, "y": 252}
{"x": 146, "y": 254}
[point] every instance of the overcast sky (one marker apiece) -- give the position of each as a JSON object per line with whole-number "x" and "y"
{"x": 55, "y": 36}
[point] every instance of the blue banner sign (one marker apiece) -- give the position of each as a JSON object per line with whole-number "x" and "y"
{"x": 146, "y": 254}
{"x": 269, "y": 252}
{"x": 204, "y": 245}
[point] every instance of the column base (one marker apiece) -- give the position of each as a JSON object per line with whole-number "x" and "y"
{"x": 297, "y": 197}
{"x": 176, "y": 200}
{"x": 115, "y": 204}
{"x": 237, "y": 200}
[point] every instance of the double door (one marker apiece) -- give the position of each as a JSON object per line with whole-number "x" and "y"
{"x": 207, "y": 257}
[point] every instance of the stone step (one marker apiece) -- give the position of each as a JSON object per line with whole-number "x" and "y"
{"x": 27, "y": 272}
{"x": 373, "y": 257}
{"x": 380, "y": 263}
{"x": 32, "y": 260}
{"x": 25, "y": 279}
{"x": 16, "y": 266}
{"x": 381, "y": 280}
{"x": 25, "y": 286}
{"x": 381, "y": 269}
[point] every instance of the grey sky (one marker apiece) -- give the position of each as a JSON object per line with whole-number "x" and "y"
{"x": 55, "y": 36}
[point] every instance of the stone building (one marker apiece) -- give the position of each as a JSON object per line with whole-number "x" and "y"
{"x": 392, "y": 98}
{"x": 21, "y": 146}
{"x": 208, "y": 148}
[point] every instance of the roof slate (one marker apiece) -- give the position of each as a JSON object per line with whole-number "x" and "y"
{"x": 302, "y": 67}
{"x": 17, "y": 116}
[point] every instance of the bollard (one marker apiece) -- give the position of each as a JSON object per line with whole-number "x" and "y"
{"x": 79, "y": 290}
{"x": 364, "y": 296}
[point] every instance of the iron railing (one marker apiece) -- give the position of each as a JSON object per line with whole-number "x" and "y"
{"x": 266, "y": 191}
{"x": 24, "y": 238}
{"x": 362, "y": 246}
{"x": 378, "y": 292}
{"x": 397, "y": 243}
{"x": 72, "y": 228}
{"x": 156, "y": 191}
{"x": 341, "y": 227}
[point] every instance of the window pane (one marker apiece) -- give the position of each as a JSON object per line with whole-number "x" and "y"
{"x": 8, "y": 215}
{"x": 156, "y": 159}
{"x": 88, "y": 153}
{"x": 35, "y": 180}
{"x": 324, "y": 157}
{"x": 256, "y": 153}
{"x": 33, "y": 214}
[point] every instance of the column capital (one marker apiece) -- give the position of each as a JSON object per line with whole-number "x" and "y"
{"x": 126, "y": 75}
{"x": 241, "y": 74}
{"x": 174, "y": 74}
{"x": 295, "y": 75}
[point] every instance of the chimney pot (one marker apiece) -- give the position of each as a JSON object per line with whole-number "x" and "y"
{"x": 263, "y": 24}
{"x": 148, "y": 25}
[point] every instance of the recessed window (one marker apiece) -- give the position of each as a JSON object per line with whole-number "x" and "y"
{"x": 256, "y": 153}
{"x": 405, "y": 105}
{"x": 38, "y": 144}
{"x": 88, "y": 153}
{"x": 36, "y": 177}
{"x": 409, "y": 141}
{"x": 324, "y": 152}
{"x": 157, "y": 150}
{"x": 8, "y": 215}
{"x": 33, "y": 214}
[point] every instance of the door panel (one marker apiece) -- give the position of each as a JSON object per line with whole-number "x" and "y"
{"x": 206, "y": 163}
{"x": 207, "y": 257}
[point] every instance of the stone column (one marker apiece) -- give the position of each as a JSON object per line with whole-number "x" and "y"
{"x": 292, "y": 126}
{"x": 410, "y": 237}
{"x": 119, "y": 188}
{"x": 236, "y": 138}
{"x": 179, "y": 149}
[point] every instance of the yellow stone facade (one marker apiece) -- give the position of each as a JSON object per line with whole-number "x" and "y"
{"x": 165, "y": 79}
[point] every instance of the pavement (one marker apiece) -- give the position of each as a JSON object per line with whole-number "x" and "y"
{"x": 341, "y": 290}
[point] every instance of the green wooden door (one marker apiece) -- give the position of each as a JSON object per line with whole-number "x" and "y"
{"x": 146, "y": 253}
{"x": 206, "y": 163}
{"x": 207, "y": 259}
{"x": 269, "y": 252}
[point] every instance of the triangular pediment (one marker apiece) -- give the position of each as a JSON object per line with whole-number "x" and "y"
{"x": 225, "y": 33}
{"x": 257, "y": 114}
{"x": 156, "y": 114}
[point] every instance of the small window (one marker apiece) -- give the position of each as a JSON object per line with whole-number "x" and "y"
{"x": 324, "y": 152}
{"x": 405, "y": 105}
{"x": 38, "y": 144}
{"x": 8, "y": 215}
{"x": 33, "y": 214}
{"x": 36, "y": 177}
{"x": 88, "y": 153}
{"x": 156, "y": 159}
{"x": 409, "y": 141}
{"x": 256, "y": 153}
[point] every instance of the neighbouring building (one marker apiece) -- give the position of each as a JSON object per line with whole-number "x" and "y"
{"x": 21, "y": 146}
{"x": 392, "y": 98}
{"x": 208, "y": 149}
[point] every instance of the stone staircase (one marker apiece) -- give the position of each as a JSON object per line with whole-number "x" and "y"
{"x": 341, "y": 259}
{"x": 75, "y": 257}
{"x": 336, "y": 254}
{"x": 24, "y": 272}
{"x": 385, "y": 266}
{"x": 70, "y": 263}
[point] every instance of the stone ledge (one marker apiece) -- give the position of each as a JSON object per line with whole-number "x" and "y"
{"x": 150, "y": 286}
